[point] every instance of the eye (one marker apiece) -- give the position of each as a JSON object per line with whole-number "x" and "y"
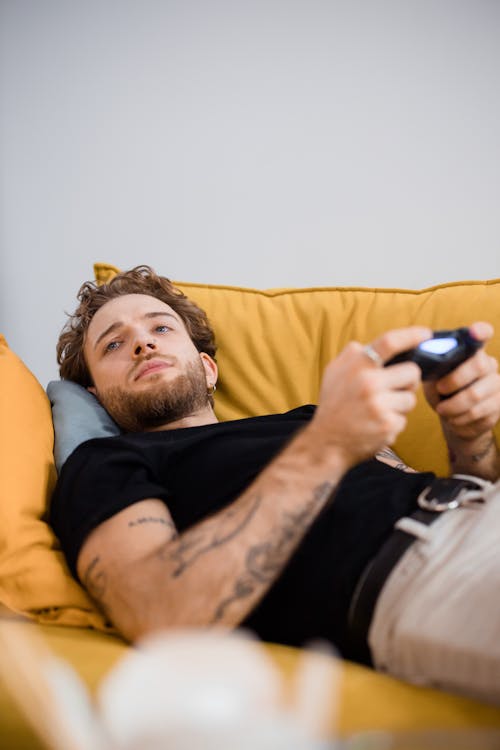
{"x": 162, "y": 328}
{"x": 111, "y": 347}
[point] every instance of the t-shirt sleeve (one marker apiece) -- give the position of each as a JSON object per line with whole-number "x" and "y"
{"x": 101, "y": 478}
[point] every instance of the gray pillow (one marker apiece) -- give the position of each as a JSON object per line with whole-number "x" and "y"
{"x": 77, "y": 416}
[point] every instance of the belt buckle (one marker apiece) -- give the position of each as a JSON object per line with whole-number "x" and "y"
{"x": 447, "y": 494}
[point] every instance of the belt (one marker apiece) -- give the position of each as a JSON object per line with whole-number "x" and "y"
{"x": 441, "y": 495}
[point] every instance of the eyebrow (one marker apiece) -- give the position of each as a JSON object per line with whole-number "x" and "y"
{"x": 119, "y": 324}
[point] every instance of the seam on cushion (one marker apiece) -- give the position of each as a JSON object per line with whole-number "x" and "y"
{"x": 327, "y": 289}
{"x": 276, "y": 292}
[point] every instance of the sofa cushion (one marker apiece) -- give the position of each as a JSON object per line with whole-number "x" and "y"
{"x": 34, "y": 578}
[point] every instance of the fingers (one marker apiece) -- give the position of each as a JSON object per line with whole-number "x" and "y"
{"x": 473, "y": 388}
{"x": 388, "y": 390}
{"x": 470, "y": 372}
{"x": 363, "y": 405}
{"x": 474, "y": 406}
{"x": 481, "y": 330}
{"x": 399, "y": 340}
{"x": 399, "y": 401}
{"x": 405, "y": 375}
{"x": 386, "y": 413}
{"x": 374, "y": 376}
{"x": 479, "y": 400}
{"x": 401, "y": 376}
{"x": 477, "y": 366}
{"x": 398, "y": 425}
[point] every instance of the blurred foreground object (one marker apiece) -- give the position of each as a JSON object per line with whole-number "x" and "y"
{"x": 177, "y": 691}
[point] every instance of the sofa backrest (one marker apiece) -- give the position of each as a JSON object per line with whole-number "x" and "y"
{"x": 273, "y": 345}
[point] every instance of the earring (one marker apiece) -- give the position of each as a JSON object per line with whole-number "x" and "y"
{"x": 211, "y": 389}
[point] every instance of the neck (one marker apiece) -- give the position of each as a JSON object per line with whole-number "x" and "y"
{"x": 195, "y": 419}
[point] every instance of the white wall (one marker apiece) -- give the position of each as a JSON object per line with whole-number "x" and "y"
{"x": 252, "y": 142}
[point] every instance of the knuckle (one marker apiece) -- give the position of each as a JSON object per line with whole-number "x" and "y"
{"x": 391, "y": 423}
{"x": 412, "y": 400}
{"x": 487, "y": 364}
{"x": 353, "y": 347}
{"x": 489, "y": 422}
{"x": 416, "y": 373}
{"x": 389, "y": 340}
{"x": 475, "y": 394}
{"x": 398, "y": 425}
{"x": 474, "y": 413}
{"x": 367, "y": 383}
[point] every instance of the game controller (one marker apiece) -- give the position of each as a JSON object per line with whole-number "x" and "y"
{"x": 441, "y": 354}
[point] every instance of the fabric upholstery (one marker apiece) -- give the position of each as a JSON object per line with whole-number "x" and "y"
{"x": 34, "y": 578}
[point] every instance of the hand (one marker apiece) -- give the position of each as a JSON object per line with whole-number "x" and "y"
{"x": 474, "y": 407}
{"x": 363, "y": 407}
{"x": 471, "y": 410}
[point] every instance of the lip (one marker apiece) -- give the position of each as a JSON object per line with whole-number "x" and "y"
{"x": 151, "y": 366}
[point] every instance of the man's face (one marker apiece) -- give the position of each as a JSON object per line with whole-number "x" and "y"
{"x": 146, "y": 370}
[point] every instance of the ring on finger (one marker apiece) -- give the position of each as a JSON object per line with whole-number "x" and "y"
{"x": 372, "y": 354}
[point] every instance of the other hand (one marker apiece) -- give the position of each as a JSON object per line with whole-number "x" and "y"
{"x": 471, "y": 407}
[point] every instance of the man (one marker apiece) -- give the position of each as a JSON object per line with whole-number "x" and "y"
{"x": 271, "y": 522}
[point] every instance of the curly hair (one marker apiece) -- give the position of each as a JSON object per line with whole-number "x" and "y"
{"x": 139, "y": 280}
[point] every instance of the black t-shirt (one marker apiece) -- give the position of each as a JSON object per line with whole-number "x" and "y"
{"x": 198, "y": 470}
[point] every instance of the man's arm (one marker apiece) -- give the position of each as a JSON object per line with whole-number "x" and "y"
{"x": 146, "y": 576}
{"x": 470, "y": 411}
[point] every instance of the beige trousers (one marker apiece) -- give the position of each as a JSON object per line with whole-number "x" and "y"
{"x": 437, "y": 619}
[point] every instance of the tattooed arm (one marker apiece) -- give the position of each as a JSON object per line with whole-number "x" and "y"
{"x": 146, "y": 576}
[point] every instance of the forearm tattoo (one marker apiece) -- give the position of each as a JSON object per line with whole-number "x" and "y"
{"x": 199, "y": 541}
{"x": 475, "y": 458}
{"x": 262, "y": 563}
{"x": 386, "y": 454}
{"x": 265, "y": 561}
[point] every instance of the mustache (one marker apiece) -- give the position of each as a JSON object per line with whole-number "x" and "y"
{"x": 168, "y": 358}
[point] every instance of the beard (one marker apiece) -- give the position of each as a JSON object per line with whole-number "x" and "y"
{"x": 162, "y": 403}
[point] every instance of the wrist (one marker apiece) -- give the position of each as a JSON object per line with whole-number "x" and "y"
{"x": 470, "y": 446}
{"x": 478, "y": 455}
{"x": 324, "y": 446}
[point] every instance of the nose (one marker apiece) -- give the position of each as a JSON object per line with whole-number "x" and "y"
{"x": 144, "y": 344}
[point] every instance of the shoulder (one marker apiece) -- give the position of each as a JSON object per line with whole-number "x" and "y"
{"x": 99, "y": 450}
{"x": 101, "y": 478}
{"x": 99, "y": 464}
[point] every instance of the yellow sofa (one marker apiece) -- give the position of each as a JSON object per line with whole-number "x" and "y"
{"x": 273, "y": 346}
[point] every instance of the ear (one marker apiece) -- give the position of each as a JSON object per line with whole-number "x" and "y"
{"x": 211, "y": 371}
